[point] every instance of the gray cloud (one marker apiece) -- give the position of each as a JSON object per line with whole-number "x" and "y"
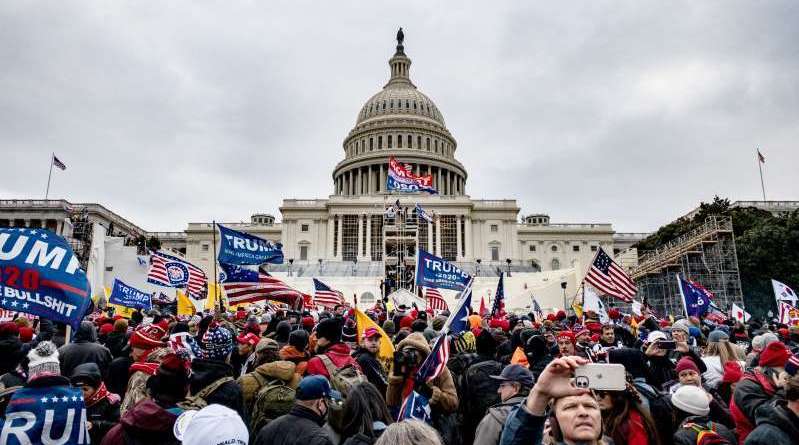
{"x": 627, "y": 112}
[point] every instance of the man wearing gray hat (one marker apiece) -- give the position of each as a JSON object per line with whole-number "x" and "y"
{"x": 515, "y": 383}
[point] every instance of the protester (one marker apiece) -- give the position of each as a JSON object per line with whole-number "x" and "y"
{"x": 268, "y": 392}
{"x": 152, "y": 420}
{"x": 515, "y": 382}
{"x": 82, "y": 349}
{"x": 480, "y": 390}
{"x": 243, "y": 359}
{"x": 366, "y": 356}
{"x": 365, "y": 415}
{"x": 718, "y": 352}
{"x": 303, "y": 424}
{"x": 12, "y": 352}
{"x": 691, "y": 412}
{"x": 409, "y": 432}
{"x": 213, "y": 425}
{"x": 757, "y": 387}
{"x": 117, "y": 339}
{"x": 147, "y": 348}
{"x": 331, "y": 353}
{"x": 212, "y": 376}
{"x": 102, "y": 406}
{"x": 575, "y": 416}
{"x": 778, "y": 420}
{"x": 295, "y": 351}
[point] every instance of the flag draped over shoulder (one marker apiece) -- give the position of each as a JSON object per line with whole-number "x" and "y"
{"x": 42, "y": 276}
{"x": 386, "y": 352}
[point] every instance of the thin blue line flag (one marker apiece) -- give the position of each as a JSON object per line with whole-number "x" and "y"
{"x": 432, "y": 271}
{"x": 129, "y": 296}
{"x": 40, "y": 275}
{"x": 242, "y": 248}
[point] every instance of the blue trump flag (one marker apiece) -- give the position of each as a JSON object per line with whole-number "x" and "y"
{"x": 432, "y": 271}
{"x": 40, "y": 275}
{"x": 695, "y": 299}
{"x": 242, "y": 248}
{"x": 45, "y": 415}
{"x": 128, "y": 296}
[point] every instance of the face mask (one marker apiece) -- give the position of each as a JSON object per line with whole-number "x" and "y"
{"x": 323, "y": 413}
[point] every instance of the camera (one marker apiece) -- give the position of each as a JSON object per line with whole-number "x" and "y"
{"x": 404, "y": 361}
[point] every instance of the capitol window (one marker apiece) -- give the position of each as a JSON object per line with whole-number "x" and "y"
{"x": 391, "y": 104}
{"x": 494, "y": 253}
{"x": 575, "y": 248}
{"x": 380, "y": 142}
{"x": 304, "y": 228}
{"x": 418, "y": 142}
{"x": 593, "y": 248}
{"x": 407, "y": 104}
{"x": 399, "y": 141}
{"x": 371, "y": 144}
{"x": 410, "y": 140}
{"x": 532, "y": 248}
{"x": 555, "y": 264}
{"x": 494, "y": 228}
{"x": 303, "y": 253}
{"x": 388, "y": 141}
{"x": 428, "y": 144}
{"x": 414, "y": 105}
{"x": 384, "y": 105}
{"x": 554, "y": 248}
{"x": 205, "y": 247}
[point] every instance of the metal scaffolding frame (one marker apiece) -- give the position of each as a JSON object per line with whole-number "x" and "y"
{"x": 705, "y": 255}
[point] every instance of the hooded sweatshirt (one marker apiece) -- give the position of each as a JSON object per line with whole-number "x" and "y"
{"x": 444, "y": 398}
{"x": 281, "y": 370}
{"x": 83, "y": 349}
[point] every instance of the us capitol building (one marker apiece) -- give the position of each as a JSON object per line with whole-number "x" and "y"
{"x": 347, "y": 239}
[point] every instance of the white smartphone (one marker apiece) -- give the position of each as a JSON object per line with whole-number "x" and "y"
{"x": 600, "y": 376}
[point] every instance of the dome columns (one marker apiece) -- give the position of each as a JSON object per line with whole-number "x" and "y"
{"x": 371, "y": 179}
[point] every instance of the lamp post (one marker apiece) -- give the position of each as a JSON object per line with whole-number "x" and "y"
{"x": 478, "y": 266}
{"x": 291, "y": 262}
{"x": 320, "y": 266}
{"x": 354, "y": 265}
{"x": 508, "y": 261}
{"x": 563, "y": 286}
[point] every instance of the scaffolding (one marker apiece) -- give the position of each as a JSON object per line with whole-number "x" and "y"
{"x": 82, "y": 235}
{"x": 400, "y": 241}
{"x": 705, "y": 255}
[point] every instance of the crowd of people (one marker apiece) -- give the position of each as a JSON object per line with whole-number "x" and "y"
{"x": 278, "y": 377}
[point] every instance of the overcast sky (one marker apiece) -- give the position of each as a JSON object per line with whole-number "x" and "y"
{"x": 623, "y": 112}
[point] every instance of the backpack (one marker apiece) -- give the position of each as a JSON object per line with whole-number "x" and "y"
{"x": 660, "y": 409}
{"x": 273, "y": 399}
{"x": 198, "y": 401}
{"x": 707, "y": 434}
{"x": 344, "y": 378}
{"x": 480, "y": 390}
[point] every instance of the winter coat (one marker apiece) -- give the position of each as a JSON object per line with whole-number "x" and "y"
{"x": 118, "y": 375}
{"x": 282, "y": 370}
{"x": 83, "y": 349}
{"x": 205, "y": 372}
{"x": 752, "y": 391}
{"x": 489, "y": 429}
{"x": 295, "y": 356}
{"x": 136, "y": 390}
{"x": 372, "y": 369}
{"x": 662, "y": 369}
{"x": 338, "y": 353}
{"x": 147, "y": 423}
{"x": 687, "y": 436}
{"x": 116, "y": 342}
{"x": 776, "y": 424}
{"x": 301, "y": 426}
{"x": 12, "y": 353}
{"x": 103, "y": 415}
{"x": 444, "y": 397}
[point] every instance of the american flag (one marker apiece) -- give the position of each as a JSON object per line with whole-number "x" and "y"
{"x": 170, "y": 271}
{"x": 498, "y": 309}
{"x": 436, "y": 362}
{"x": 434, "y": 300}
{"x": 326, "y": 296}
{"x": 57, "y": 162}
{"x": 608, "y": 278}
{"x": 244, "y": 285}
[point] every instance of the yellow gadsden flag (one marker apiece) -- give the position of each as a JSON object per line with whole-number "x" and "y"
{"x": 185, "y": 306}
{"x": 386, "y": 352}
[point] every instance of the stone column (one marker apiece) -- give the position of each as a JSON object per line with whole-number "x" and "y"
{"x": 369, "y": 180}
{"x": 469, "y": 255}
{"x": 430, "y": 227}
{"x": 360, "y": 238}
{"x": 438, "y": 238}
{"x": 381, "y": 182}
{"x": 340, "y": 237}
{"x": 329, "y": 241}
{"x": 368, "y": 237}
{"x": 458, "y": 235}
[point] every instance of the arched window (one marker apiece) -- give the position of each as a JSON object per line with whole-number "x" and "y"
{"x": 389, "y": 141}
{"x": 391, "y": 104}
{"x": 384, "y": 105}
{"x": 555, "y": 264}
{"x": 419, "y": 142}
{"x": 428, "y": 144}
{"x": 414, "y": 105}
{"x": 371, "y": 144}
{"x": 399, "y": 141}
{"x": 554, "y": 248}
{"x": 407, "y": 104}
{"x": 410, "y": 140}
{"x": 380, "y": 142}
{"x": 436, "y": 145}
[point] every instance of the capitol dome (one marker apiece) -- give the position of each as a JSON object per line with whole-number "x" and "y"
{"x": 401, "y": 121}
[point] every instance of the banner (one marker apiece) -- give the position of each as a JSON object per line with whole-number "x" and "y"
{"x": 124, "y": 295}
{"x": 401, "y": 179}
{"x": 739, "y": 314}
{"x": 592, "y": 302}
{"x": 40, "y": 275}
{"x": 432, "y": 271}
{"x": 185, "y": 305}
{"x": 783, "y": 293}
{"x": 47, "y": 415}
{"x": 695, "y": 299}
{"x": 242, "y": 248}
{"x": 422, "y": 214}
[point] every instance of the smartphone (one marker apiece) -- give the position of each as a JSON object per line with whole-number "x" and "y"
{"x": 667, "y": 344}
{"x": 600, "y": 376}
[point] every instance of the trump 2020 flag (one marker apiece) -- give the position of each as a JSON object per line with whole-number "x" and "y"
{"x": 42, "y": 276}
{"x": 695, "y": 299}
{"x": 242, "y": 248}
{"x": 128, "y": 296}
{"x": 432, "y": 271}
{"x": 415, "y": 406}
{"x": 47, "y": 415}
{"x": 783, "y": 293}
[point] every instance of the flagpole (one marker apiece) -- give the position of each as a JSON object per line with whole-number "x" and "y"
{"x": 759, "y": 167}
{"x": 216, "y": 286}
{"x": 50, "y": 175}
